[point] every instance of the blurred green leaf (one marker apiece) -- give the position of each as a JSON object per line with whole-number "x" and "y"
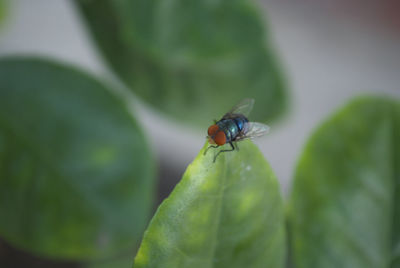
{"x": 76, "y": 175}
{"x": 190, "y": 59}
{"x": 345, "y": 204}
{"x": 223, "y": 214}
{"x": 119, "y": 262}
{"x": 3, "y": 8}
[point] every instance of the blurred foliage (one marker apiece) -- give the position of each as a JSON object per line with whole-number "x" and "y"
{"x": 76, "y": 175}
{"x": 3, "y": 10}
{"x": 119, "y": 262}
{"x": 190, "y": 59}
{"x": 223, "y": 214}
{"x": 345, "y": 204}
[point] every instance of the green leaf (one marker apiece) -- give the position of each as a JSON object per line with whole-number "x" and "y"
{"x": 3, "y": 11}
{"x": 119, "y": 262}
{"x": 76, "y": 175}
{"x": 223, "y": 214}
{"x": 189, "y": 59}
{"x": 345, "y": 204}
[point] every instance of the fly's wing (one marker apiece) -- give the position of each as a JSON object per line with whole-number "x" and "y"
{"x": 244, "y": 107}
{"x": 254, "y": 130}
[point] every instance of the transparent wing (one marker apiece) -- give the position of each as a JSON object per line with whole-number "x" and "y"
{"x": 244, "y": 107}
{"x": 255, "y": 130}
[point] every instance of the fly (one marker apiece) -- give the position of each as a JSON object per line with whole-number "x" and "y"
{"x": 234, "y": 126}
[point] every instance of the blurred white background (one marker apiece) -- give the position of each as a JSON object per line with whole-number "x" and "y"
{"x": 329, "y": 51}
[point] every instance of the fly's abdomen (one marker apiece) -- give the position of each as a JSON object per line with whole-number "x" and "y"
{"x": 241, "y": 122}
{"x": 232, "y": 127}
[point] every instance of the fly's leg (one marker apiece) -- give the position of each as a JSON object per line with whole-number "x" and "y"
{"x": 223, "y": 151}
{"x": 211, "y": 146}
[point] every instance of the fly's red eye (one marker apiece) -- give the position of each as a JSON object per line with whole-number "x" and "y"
{"x": 220, "y": 138}
{"x": 212, "y": 130}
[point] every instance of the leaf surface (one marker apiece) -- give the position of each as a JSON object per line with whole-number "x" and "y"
{"x": 3, "y": 11}
{"x": 76, "y": 175}
{"x": 189, "y": 59}
{"x": 345, "y": 203}
{"x": 223, "y": 214}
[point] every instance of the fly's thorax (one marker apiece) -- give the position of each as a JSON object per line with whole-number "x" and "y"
{"x": 233, "y": 127}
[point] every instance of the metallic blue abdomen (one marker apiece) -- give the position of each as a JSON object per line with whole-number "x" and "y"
{"x": 232, "y": 127}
